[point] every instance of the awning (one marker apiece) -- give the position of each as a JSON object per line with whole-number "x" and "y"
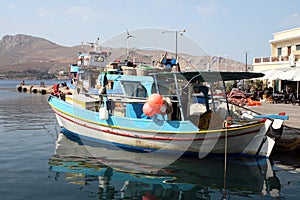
{"x": 208, "y": 76}
{"x": 291, "y": 75}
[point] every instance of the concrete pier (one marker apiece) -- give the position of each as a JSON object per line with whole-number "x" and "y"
{"x": 34, "y": 89}
{"x": 289, "y": 140}
{"x": 293, "y": 111}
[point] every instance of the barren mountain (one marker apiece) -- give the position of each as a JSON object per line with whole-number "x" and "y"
{"x": 24, "y": 56}
{"x": 22, "y": 53}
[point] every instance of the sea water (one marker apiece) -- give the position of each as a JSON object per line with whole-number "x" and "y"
{"x": 38, "y": 160}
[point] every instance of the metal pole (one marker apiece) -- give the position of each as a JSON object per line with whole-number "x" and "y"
{"x": 176, "y": 37}
{"x": 176, "y": 32}
{"x": 246, "y": 66}
{"x": 246, "y": 60}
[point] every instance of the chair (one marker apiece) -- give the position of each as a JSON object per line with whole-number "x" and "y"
{"x": 294, "y": 100}
{"x": 270, "y": 99}
{"x": 286, "y": 98}
{"x": 276, "y": 98}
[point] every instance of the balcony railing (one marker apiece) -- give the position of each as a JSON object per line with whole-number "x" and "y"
{"x": 273, "y": 59}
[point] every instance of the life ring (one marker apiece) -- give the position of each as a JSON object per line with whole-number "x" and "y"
{"x": 19, "y": 88}
{"x": 43, "y": 91}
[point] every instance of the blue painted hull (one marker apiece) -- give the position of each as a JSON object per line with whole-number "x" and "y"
{"x": 149, "y": 135}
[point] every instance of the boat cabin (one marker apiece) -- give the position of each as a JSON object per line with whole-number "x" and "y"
{"x": 199, "y": 97}
{"x": 189, "y": 96}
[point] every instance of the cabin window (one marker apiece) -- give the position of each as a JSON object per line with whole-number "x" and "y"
{"x": 129, "y": 89}
{"x": 99, "y": 59}
{"x": 279, "y": 51}
{"x": 135, "y": 90}
{"x": 297, "y": 47}
{"x": 141, "y": 91}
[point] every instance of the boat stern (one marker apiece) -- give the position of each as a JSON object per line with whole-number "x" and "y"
{"x": 261, "y": 144}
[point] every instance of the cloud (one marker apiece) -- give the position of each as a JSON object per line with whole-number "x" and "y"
{"x": 50, "y": 12}
{"x": 7, "y": 5}
{"x": 292, "y": 20}
{"x": 71, "y": 12}
{"x": 208, "y": 10}
{"x": 83, "y": 12}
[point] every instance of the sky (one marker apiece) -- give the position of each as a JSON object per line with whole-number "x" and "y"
{"x": 226, "y": 28}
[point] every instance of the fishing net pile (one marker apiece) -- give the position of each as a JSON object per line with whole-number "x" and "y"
{"x": 237, "y": 97}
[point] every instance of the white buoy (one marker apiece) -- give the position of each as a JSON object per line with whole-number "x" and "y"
{"x": 103, "y": 113}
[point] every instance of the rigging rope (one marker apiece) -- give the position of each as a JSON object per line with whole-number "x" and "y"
{"x": 225, "y": 161}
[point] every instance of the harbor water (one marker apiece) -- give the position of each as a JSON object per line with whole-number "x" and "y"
{"x": 38, "y": 160}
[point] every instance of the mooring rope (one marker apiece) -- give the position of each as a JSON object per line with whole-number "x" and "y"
{"x": 225, "y": 161}
{"x": 47, "y": 130}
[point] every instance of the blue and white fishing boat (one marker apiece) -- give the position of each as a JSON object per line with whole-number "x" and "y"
{"x": 173, "y": 112}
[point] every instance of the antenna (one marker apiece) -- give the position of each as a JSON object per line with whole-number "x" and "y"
{"x": 128, "y": 35}
{"x": 127, "y": 38}
{"x": 109, "y": 47}
{"x": 97, "y": 44}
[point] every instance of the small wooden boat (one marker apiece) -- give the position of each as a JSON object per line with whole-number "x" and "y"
{"x": 182, "y": 113}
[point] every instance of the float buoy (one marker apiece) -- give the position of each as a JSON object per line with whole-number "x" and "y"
{"x": 155, "y": 101}
{"x": 20, "y": 89}
{"x": 149, "y": 110}
{"x": 103, "y": 113}
{"x": 163, "y": 109}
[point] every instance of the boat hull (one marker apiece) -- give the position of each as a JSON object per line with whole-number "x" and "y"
{"x": 153, "y": 135}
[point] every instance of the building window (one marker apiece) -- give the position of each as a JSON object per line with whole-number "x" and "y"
{"x": 297, "y": 47}
{"x": 279, "y": 51}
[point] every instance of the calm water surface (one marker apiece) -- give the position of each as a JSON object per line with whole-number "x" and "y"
{"x": 38, "y": 161}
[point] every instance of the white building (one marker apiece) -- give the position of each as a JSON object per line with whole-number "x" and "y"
{"x": 285, "y": 56}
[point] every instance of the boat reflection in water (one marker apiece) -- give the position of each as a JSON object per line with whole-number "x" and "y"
{"x": 121, "y": 174}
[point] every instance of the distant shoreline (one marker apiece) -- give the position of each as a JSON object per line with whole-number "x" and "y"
{"x": 33, "y": 78}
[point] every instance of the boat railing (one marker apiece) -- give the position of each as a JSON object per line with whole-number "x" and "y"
{"x": 126, "y": 99}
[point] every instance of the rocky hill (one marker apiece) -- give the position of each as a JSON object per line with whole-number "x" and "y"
{"x": 27, "y": 56}
{"x": 24, "y": 56}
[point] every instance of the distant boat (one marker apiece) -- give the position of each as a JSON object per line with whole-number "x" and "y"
{"x": 172, "y": 112}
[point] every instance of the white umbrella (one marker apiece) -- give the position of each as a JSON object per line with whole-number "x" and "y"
{"x": 292, "y": 75}
{"x": 272, "y": 74}
{"x": 296, "y": 77}
{"x": 287, "y": 75}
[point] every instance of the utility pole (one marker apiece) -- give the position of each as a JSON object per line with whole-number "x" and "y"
{"x": 176, "y": 38}
{"x": 246, "y": 66}
{"x": 246, "y": 61}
